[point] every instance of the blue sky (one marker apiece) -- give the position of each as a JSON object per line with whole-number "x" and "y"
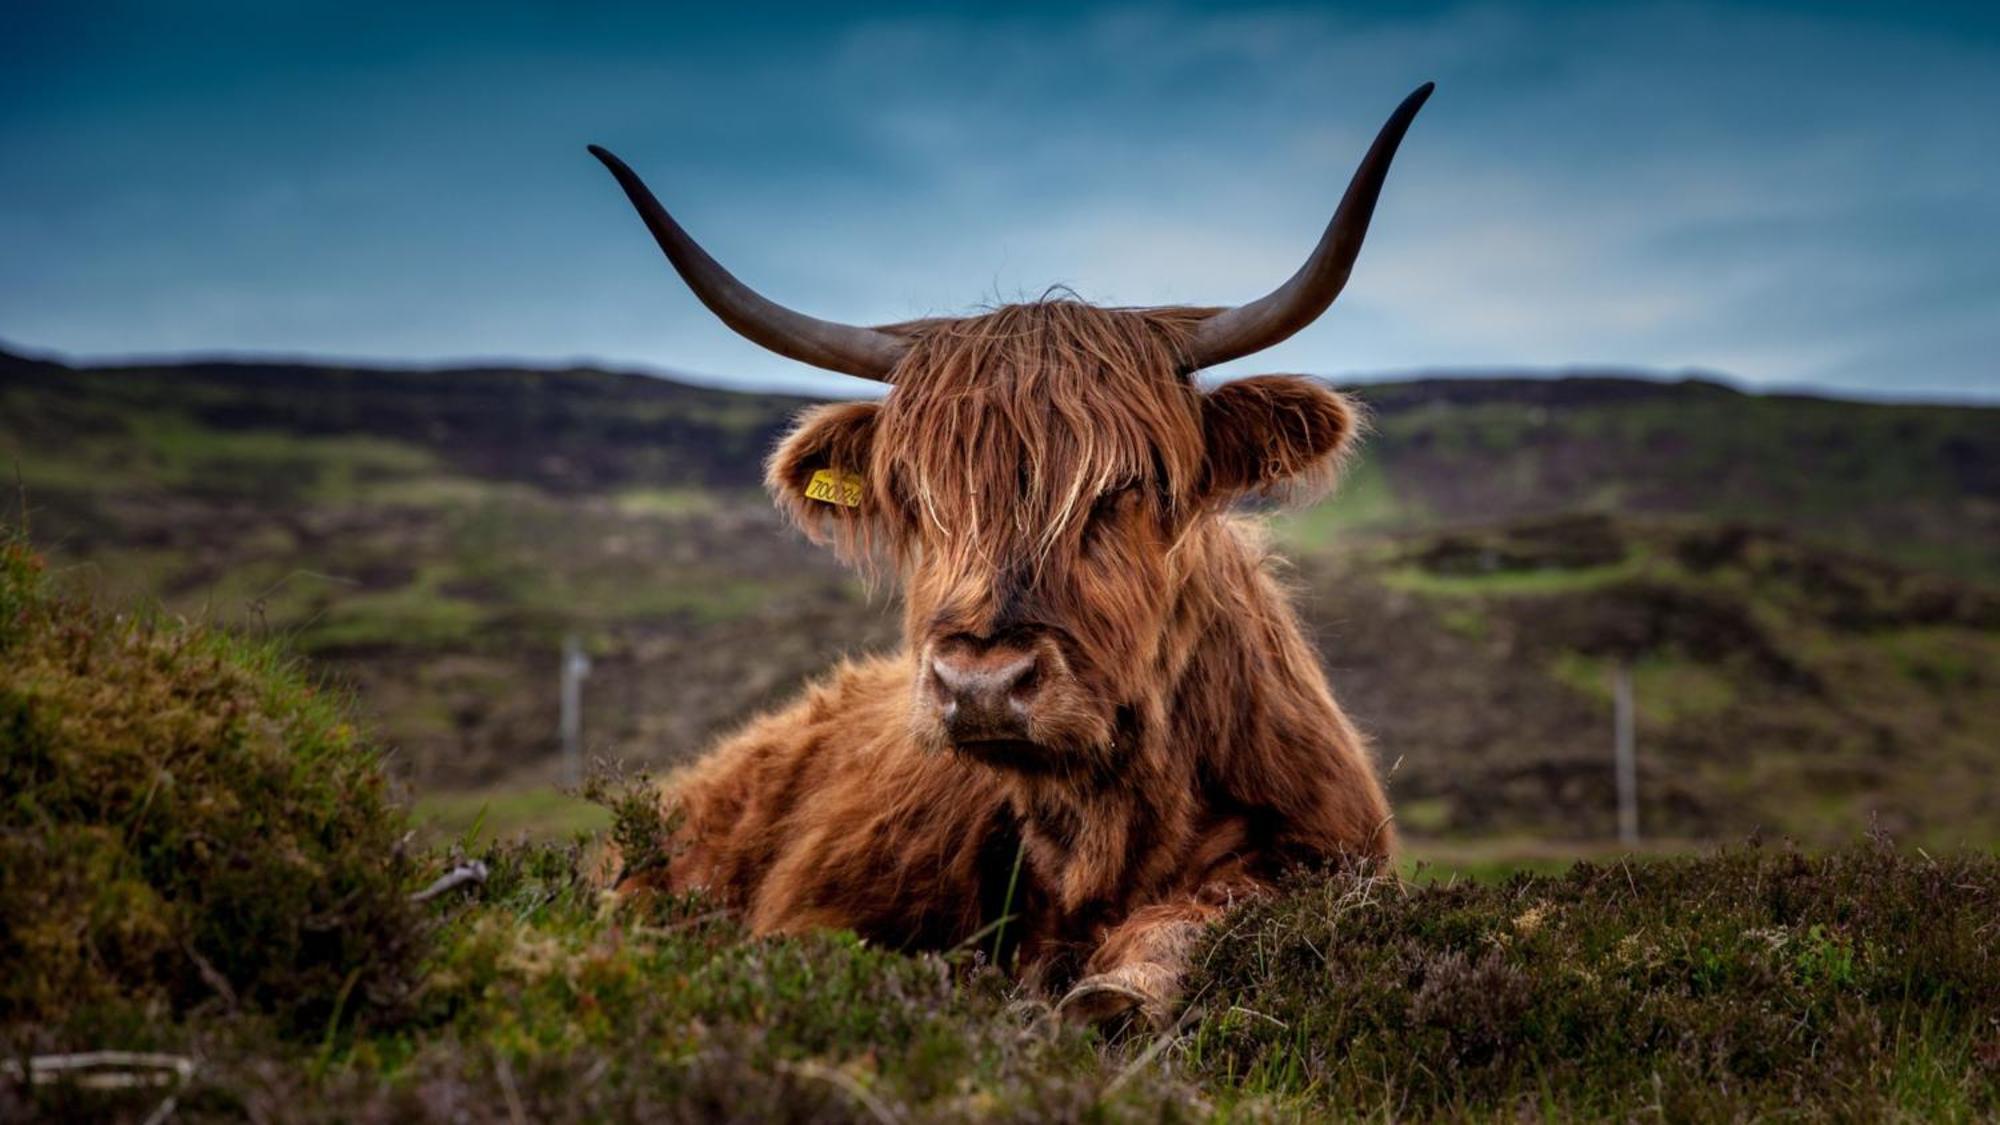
{"x": 1786, "y": 194}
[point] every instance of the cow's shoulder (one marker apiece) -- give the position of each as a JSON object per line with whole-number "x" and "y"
{"x": 863, "y": 691}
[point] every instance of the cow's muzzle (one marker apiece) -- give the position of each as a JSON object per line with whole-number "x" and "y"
{"x": 984, "y": 693}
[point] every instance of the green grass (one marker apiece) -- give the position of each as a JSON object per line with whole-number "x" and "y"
{"x": 1540, "y": 582}
{"x": 324, "y": 468}
{"x": 168, "y": 451}
{"x": 1950, "y": 659}
{"x": 412, "y": 616}
{"x": 1364, "y": 501}
{"x": 1673, "y": 688}
{"x": 665, "y": 503}
{"x": 543, "y": 814}
{"x": 441, "y": 492}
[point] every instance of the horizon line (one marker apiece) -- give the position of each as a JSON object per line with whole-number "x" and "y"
{"x": 866, "y": 389}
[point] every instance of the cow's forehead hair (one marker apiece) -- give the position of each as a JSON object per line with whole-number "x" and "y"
{"x": 1005, "y": 428}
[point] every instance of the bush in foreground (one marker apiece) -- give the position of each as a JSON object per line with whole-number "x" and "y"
{"x": 184, "y": 822}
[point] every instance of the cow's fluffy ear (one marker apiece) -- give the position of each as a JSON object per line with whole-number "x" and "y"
{"x": 1275, "y": 434}
{"x": 834, "y": 443}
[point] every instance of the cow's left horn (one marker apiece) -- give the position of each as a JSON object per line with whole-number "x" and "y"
{"x": 1237, "y": 332}
{"x": 846, "y": 348}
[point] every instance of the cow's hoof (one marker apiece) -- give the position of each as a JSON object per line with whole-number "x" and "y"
{"x": 1107, "y": 999}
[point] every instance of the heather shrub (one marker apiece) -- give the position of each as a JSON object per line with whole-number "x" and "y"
{"x": 1864, "y": 981}
{"x": 185, "y": 822}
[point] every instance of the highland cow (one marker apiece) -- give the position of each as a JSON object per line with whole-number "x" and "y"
{"x": 1105, "y": 725}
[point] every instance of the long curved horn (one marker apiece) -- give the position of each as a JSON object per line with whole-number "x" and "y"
{"x": 1237, "y": 332}
{"x": 845, "y": 348}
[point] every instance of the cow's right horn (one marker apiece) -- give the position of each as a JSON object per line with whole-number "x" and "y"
{"x": 1233, "y": 333}
{"x": 846, "y": 348}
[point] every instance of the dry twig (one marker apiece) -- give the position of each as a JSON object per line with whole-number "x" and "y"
{"x": 473, "y": 872}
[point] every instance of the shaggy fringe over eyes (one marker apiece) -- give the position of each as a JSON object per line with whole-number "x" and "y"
{"x": 1009, "y": 426}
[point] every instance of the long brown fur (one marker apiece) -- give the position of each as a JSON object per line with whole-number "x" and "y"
{"x": 1048, "y": 471}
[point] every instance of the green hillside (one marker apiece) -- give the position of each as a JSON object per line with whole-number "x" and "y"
{"x": 1779, "y": 686}
{"x": 1803, "y": 588}
{"x": 1917, "y": 484}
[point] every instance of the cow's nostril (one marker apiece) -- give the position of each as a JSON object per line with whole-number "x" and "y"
{"x": 1026, "y": 680}
{"x": 940, "y": 680}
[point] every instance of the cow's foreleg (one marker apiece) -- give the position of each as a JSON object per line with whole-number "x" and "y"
{"x": 1138, "y": 966}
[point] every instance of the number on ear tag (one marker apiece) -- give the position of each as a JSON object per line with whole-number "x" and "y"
{"x": 832, "y": 486}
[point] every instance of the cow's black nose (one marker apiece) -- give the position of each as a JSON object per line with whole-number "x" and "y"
{"x": 983, "y": 694}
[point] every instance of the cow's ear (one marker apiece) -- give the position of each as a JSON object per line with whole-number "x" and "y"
{"x": 1275, "y": 434}
{"x": 817, "y": 474}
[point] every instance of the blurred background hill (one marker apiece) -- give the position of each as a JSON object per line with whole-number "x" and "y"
{"x": 1806, "y": 590}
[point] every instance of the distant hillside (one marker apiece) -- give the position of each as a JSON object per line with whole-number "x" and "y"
{"x": 1804, "y": 588}
{"x": 1779, "y": 685}
{"x": 1917, "y": 483}
{"x": 562, "y": 430}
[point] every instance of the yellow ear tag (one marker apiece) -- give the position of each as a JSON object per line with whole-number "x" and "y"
{"x": 832, "y": 486}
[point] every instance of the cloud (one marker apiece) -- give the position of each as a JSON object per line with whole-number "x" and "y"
{"x": 1666, "y": 187}
{"x": 1786, "y": 195}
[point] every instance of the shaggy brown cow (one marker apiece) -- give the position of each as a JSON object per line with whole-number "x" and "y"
{"x": 1105, "y": 725}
